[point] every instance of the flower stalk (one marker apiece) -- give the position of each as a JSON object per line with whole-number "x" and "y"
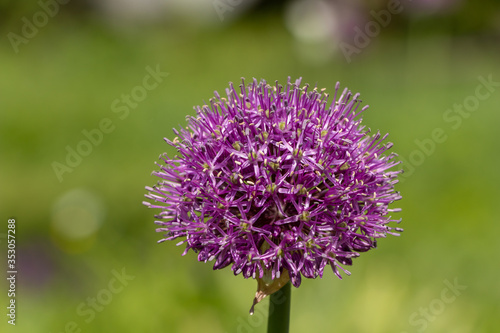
{"x": 279, "y": 310}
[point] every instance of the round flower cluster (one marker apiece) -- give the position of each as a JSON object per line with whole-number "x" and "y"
{"x": 274, "y": 181}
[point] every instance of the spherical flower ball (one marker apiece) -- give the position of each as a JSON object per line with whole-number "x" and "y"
{"x": 277, "y": 183}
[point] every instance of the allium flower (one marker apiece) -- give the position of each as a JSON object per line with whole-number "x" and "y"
{"x": 276, "y": 183}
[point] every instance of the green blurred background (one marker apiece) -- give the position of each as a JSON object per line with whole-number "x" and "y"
{"x": 78, "y": 231}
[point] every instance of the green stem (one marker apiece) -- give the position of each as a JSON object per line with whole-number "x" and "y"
{"x": 279, "y": 310}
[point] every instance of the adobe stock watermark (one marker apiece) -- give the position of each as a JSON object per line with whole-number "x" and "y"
{"x": 427, "y": 314}
{"x": 452, "y": 116}
{"x": 31, "y": 26}
{"x": 372, "y": 28}
{"x": 250, "y": 323}
{"x": 121, "y": 108}
{"x": 95, "y": 304}
{"x": 223, "y": 6}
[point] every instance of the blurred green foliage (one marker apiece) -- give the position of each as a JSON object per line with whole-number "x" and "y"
{"x": 66, "y": 79}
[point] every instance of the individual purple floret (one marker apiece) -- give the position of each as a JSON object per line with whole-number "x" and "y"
{"x": 274, "y": 181}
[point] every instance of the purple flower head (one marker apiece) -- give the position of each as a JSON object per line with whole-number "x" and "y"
{"x": 276, "y": 183}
